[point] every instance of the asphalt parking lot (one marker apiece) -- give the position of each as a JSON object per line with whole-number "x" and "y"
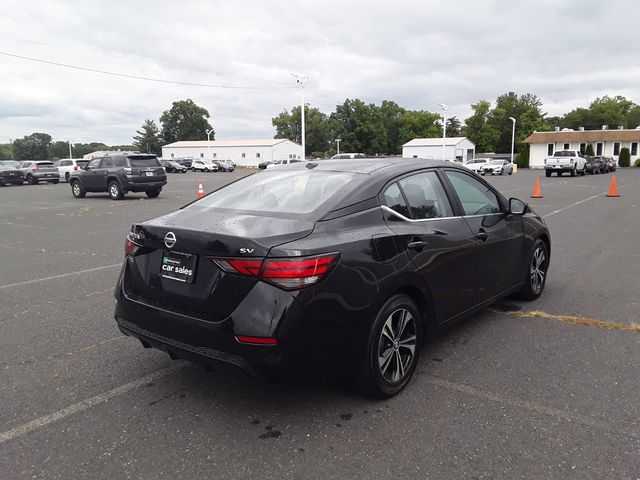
{"x": 507, "y": 394}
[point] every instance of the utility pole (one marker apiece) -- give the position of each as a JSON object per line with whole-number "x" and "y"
{"x": 209, "y": 132}
{"x": 70, "y": 154}
{"x": 338, "y": 140}
{"x": 513, "y": 137}
{"x": 444, "y": 128}
{"x": 302, "y": 81}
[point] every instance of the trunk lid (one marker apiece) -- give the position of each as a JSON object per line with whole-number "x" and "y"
{"x": 210, "y": 293}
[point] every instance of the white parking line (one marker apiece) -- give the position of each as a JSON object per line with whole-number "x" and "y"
{"x": 85, "y": 404}
{"x": 54, "y": 277}
{"x": 573, "y": 204}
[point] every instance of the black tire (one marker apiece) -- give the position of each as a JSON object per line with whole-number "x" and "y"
{"x": 115, "y": 191}
{"x": 66, "y": 176}
{"x": 77, "y": 190}
{"x": 31, "y": 180}
{"x": 573, "y": 171}
{"x": 55, "y": 182}
{"x": 153, "y": 193}
{"x": 547, "y": 173}
{"x": 536, "y": 272}
{"x": 402, "y": 354}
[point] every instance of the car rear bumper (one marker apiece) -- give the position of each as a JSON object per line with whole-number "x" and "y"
{"x": 559, "y": 168}
{"x": 133, "y": 186}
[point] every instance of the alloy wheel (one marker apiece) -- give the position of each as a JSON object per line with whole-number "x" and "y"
{"x": 537, "y": 270}
{"x": 397, "y": 345}
{"x": 76, "y": 189}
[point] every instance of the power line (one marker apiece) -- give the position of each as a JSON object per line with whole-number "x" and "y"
{"x": 131, "y": 58}
{"x": 148, "y": 79}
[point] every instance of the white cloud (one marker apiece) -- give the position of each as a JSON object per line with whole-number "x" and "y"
{"x": 416, "y": 53}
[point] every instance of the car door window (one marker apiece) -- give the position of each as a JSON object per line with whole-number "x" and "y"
{"x": 394, "y": 200}
{"x": 108, "y": 163}
{"x": 93, "y": 163}
{"x": 476, "y": 198}
{"x": 426, "y": 196}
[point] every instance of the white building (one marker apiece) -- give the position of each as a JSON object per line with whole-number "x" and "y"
{"x": 243, "y": 152}
{"x": 456, "y": 148}
{"x": 605, "y": 142}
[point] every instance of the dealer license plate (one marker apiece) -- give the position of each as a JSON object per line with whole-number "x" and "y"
{"x": 178, "y": 266}
{"x": 149, "y": 174}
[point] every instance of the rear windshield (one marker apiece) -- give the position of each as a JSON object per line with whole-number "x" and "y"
{"x": 46, "y": 164}
{"x": 279, "y": 191}
{"x": 143, "y": 162}
{"x": 565, "y": 153}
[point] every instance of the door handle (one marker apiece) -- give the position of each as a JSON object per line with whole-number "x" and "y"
{"x": 482, "y": 235}
{"x": 417, "y": 245}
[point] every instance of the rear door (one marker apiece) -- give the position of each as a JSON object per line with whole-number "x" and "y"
{"x": 500, "y": 235}
{"x": 439, "y": 243}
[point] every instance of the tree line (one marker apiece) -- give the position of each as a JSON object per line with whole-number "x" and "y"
{"x": 362, "y": 127}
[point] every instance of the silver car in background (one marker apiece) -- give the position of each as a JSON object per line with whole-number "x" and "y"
{"x": 36, "y": 171}
{"x": 497, "y": 167}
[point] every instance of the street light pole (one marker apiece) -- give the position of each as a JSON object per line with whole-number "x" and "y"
{"x": 338, "y": 140}
{"x": 209, "y": 132}
{"x": 70, "y": 154}
{"x": 513, "y": 137}
{"x": 444, "y": 128}
{"x": 302, "y": 81}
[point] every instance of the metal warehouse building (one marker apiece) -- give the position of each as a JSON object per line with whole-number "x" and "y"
{"x": 605, "y": 142}
{"x": 456, "y": 148}
{"x": 243, "y": 152}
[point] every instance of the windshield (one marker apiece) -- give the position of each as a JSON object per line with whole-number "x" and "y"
{"x": 279, "y": 191}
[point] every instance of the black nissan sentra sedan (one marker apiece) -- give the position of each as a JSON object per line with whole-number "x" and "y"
{"x": 337, "y": 267}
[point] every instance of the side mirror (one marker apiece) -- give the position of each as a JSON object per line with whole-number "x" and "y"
{"x": 517, "y": 206}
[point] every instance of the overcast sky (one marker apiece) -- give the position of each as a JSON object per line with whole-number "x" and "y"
{"x": 418, "y": 53}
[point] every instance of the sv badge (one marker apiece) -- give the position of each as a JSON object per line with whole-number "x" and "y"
{"x": 247, "y": 250}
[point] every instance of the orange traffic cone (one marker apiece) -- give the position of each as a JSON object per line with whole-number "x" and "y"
{"x": 537, "y": 193}
{"x": 613, "y": 189}
{"x": 200, "y": 191}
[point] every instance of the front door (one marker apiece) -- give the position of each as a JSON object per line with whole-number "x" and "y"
{"x": 90, "y": 175}
{"x": 440, "y": 245}
{"x": 499, "y": 235}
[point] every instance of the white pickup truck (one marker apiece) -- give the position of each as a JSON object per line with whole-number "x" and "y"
{"x": 571, "y": 161}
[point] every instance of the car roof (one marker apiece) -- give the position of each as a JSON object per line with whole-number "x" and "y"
{"x": 370, "y": 166}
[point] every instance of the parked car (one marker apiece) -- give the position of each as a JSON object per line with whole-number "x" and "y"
{"x": 39, "y": 171}
{"x": 68, "y": 165}
{"x": 571, "y": 161}
{"x": 204, "y": 166}
{"x": 496, "y": 167}
{"x": 173, "y": 167}
{"x": 475, "y": 164}
{"x": 10, "y": 173}
{"x": 611, "y": 164}
{"x": 328, "y": 267}
{"x": 595, "y": 164}
{"x": 286, "y": 161}
{"x": 224, "y": 165}
{"x": 186, "y": 162}
{"x": 345, "y": 156}
{"x": 265, "y": 164}
{"x": 120, "y": 174}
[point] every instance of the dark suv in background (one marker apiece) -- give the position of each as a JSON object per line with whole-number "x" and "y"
{"x": 120, "y": 174}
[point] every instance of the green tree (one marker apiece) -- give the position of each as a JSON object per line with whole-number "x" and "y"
{"x": 317, "y": 134}
{"x": 522, "y": 160}
{"x": 59, "y": 149}
{"x": 360, "y": 127}
{"x": 479, "y": 130}
{"x": 147, "y": 139}
{"x": 32, "y": 147}
{"x": 6, "y": 152}
{"x": 589, "y": 150}
{"x": 526, "y": 109}
{"x": 633, "y": 118}
{"x": 185, "y": 121}
{"x": 390, "y": 114}
{"x": 454, "y": 127}
{"x": 624, "y": 159}
{"x": 419, "y": 124}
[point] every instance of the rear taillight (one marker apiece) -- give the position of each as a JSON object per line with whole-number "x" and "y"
{"x": 127, "y": 171}
{"x": 286, "y": 273}
{"x": 75, "y": 167}
{"x": 256, "y": 340}
{"x": 571, "y": 160}
{"x": 130, "y": 246}
{"x": 36, "y": 168}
